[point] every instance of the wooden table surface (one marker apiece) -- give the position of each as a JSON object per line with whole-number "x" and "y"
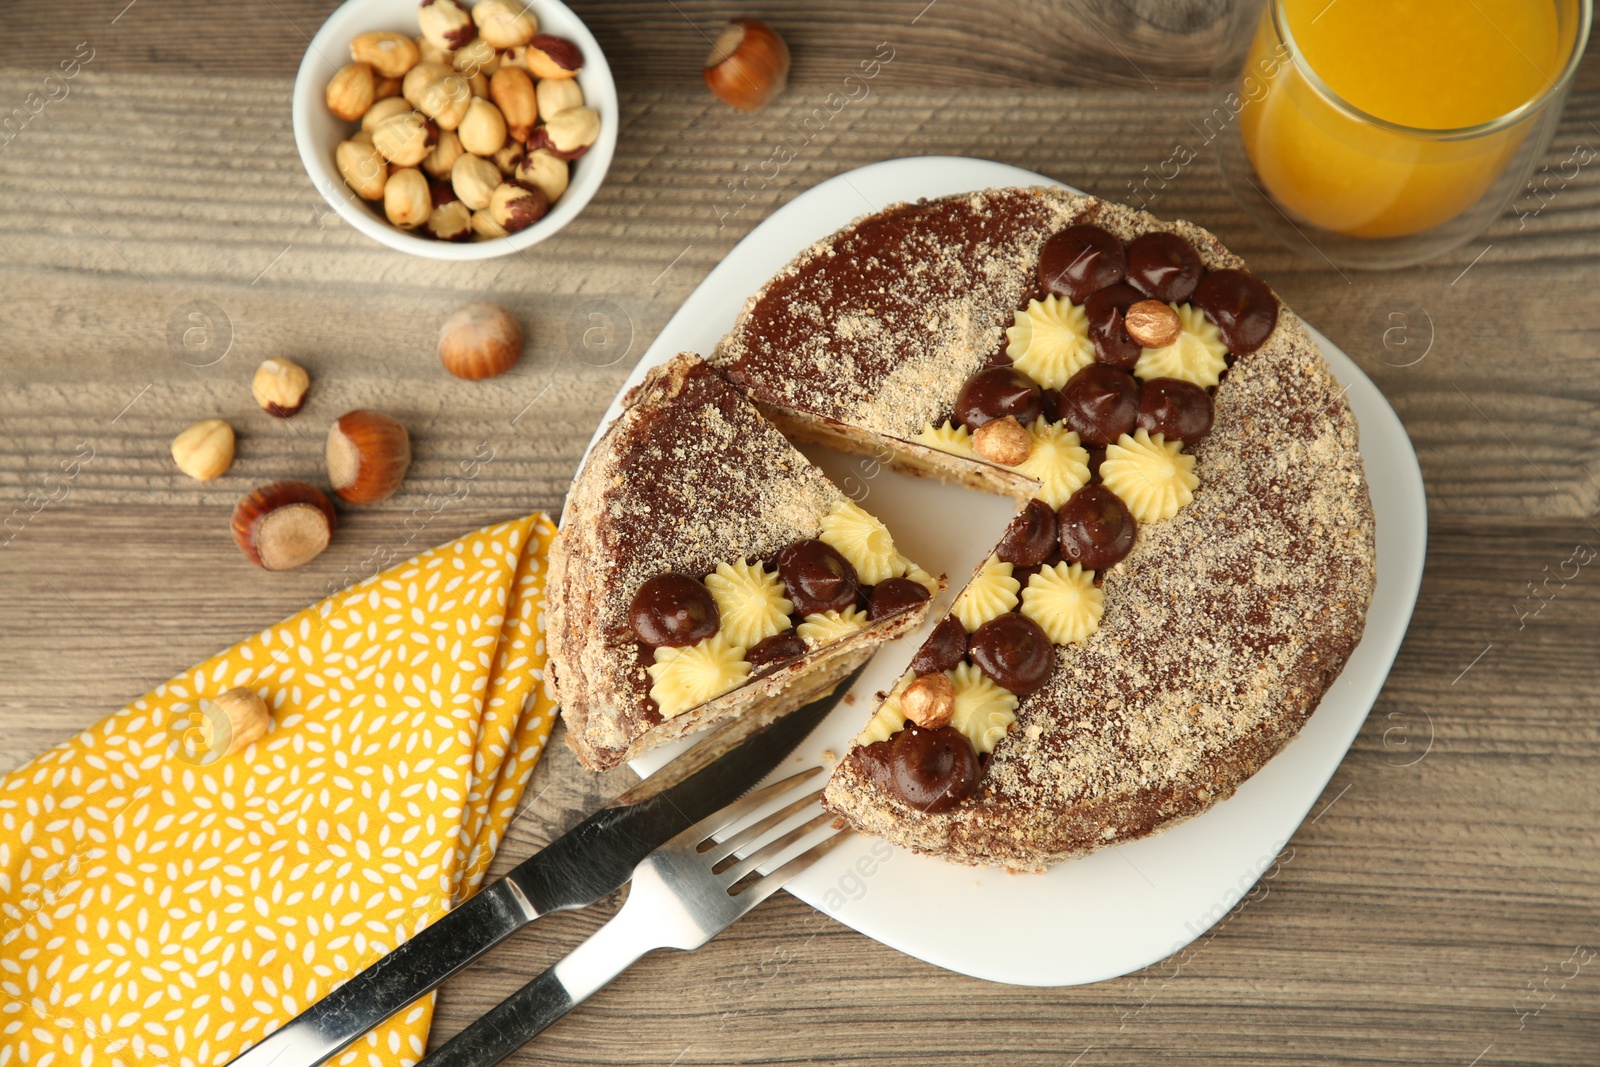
{"x": 1439, "y": 908}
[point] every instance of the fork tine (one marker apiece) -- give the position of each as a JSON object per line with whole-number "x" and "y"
{"x": 775, "y": 848}
{"x": 757, "y": 830}
{"x": 765, "y": 887}
{"x": 731, "y": 814}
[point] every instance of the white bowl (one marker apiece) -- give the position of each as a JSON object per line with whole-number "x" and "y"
{"x": 317, "y": 132}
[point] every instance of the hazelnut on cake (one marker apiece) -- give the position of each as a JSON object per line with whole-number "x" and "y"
{"x": 706, "y": 570}
{"x": 1193, "y": 553}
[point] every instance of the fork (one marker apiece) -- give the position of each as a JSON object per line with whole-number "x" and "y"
{"x": 684, "y": 894}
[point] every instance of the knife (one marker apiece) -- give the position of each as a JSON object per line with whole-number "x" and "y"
{"x": 582, "y": 866}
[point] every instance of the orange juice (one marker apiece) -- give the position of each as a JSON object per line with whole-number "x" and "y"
{"x": 1430, "y": 72}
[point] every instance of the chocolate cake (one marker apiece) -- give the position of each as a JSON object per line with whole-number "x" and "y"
{"x": 1193, "y": 552}
{"x": 705, "y": 570}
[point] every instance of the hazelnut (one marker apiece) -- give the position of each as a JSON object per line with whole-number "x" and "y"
{"x": 484, "y": 226}
{"x": 205, "y": 450}
{"x": 549, "y": 56}
{"x": 477, "y": 57}
{"x": 280, "y": 387}
{"x": 362, "y": 168}
{"x": 475, "y": 181}
{"x": 547, "y": 171}
{"x": 451, "y": 222}
{"x": 386, "y": 108}
{"x": 504, "y": 23}
{"x": 554, "y": 95}
{"x": 368, "y": 454}
{"x": 483, "y": 130}
{"x": 419, "y": 77}
{"x": 390, "y": 54}
{"x": 405, "y": 140}
{"x": 512, "y": 91}
{"x": 568, "y": 133}
{"x": 1003, "y": 441}
{"x": 445, "y": 101}
{"x": 364, "y": 137}
{"x": 283, "y": 525}
{"x": 929, "y": 701}
{"x": 444, "y": 155}
{"x": 430, "y": 52}
{"x": 351, "y": 91}
{"x": 246, "y": 715}
{"x": 516, "y": 206}
{"x": 510, "y": 157}
{"x": 406, "y": 200}
{"x": 480, "y": 341}
{"x": 384, "y": 88}
{"x": 445, "y": 24}
{"x": 748, "y": 64}
{"x": 1152, "y": 323}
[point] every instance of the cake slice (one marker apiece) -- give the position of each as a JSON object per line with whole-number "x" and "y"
{"x": 706, "y": 570}
{"x": 1193, "y": 553}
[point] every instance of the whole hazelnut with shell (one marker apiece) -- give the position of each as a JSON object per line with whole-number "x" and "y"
{"x": 480, "y": 341}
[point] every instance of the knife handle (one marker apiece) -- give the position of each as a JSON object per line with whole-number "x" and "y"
{"x": 531, "y": 1010}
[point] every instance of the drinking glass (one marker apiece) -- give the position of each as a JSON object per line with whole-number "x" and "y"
{"x": 1380, "y": 133}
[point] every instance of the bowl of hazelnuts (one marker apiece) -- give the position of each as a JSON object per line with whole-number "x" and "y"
{"x": 455, "y": 129}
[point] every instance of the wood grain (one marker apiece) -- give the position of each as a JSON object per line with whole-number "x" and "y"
{"x": 1451, "y": 865}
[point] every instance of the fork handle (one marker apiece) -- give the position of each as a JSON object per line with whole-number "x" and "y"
{"x": 531, "y": 1010}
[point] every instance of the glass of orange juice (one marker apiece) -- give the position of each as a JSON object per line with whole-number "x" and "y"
{"x": 1379, "y": 133}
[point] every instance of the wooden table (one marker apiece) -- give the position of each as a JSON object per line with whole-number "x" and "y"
{"x": 1445, "y": 887}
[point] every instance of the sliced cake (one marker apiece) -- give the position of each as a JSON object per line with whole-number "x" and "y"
{"x": 1192, "y": 557}
{"x": 705, "y": 570}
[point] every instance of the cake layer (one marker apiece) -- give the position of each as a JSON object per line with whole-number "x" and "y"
{"x": 689, "y": 478}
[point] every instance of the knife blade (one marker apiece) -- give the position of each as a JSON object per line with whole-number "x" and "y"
{"x": 582, "y": 866}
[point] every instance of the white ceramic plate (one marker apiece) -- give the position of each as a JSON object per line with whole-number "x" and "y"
{"x": 1124, "y": 907}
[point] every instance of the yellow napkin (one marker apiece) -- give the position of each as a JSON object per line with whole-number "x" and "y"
{"x": 158, "y": 908}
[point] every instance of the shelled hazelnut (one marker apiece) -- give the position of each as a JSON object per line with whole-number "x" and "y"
{"x": 510, "y": 157}
{"x": 1003, "y": 441}
{"x": 748, "y": 65}
{"x": 477, "y": 57}
{"x": 384, "y": 109}
{"x": 545, "y": 170}
{"x": 504, "y": 23}
{"x": 444, "y": 155}
{"x": 483, "y": 130}
{"x": 930, "y": 701}
{"x": 247, "y": 716}
{"x": 480, "y": 99}
{"x": 419, "y": 77}
{"x": 389, "y": 54}
{"x": 445, "y": 24}
{"x": 516, "y": 206}
{"x": 363, "y": 168}
{"x": 512, "y": 91}
{"x": 368, "y": 455}
{"x": 280, "y": 387}
{"x": 445, "y": 101}
{"x": 406, "y": 200}
{"x": 205, "y": 450}
{"x": 568, "y": 134}
{"x": 405, "y": 140}
{"x": 283, "y": 525}
{"x": 549, "y": 56}
{"x": 474, "y": 181}
{"x": 450, "y": 222}
{"x": 480, "y": 341}
{"x": 554, "y": 95}
{"x": 351, "y": 92}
